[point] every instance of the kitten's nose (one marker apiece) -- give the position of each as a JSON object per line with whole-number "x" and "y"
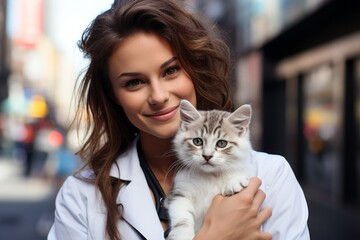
{"x": 207, "y": 158}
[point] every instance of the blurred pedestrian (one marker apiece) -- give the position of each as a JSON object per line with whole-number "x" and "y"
{"x": 27, "y": 143}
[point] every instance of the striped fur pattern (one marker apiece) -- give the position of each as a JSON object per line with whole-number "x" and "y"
{"x": 213, "y": 151}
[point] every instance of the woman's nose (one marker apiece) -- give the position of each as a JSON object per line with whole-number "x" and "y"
{"x": 158, "y": 93}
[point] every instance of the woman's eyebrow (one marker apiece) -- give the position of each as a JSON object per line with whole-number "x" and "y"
{"x": 129, "y": 74}
{"x": 136, "y": 74}
{"x": 168, "y": 62}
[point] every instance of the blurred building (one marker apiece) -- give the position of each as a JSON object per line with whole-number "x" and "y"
{"x": 39, "y": 59}
{"x": 310, "y": 102}
{"x": 4, "y": 59}
{"x": 298, "y": 64}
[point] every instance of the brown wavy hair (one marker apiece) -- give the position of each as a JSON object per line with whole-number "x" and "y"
{"x": 200, "y": 50}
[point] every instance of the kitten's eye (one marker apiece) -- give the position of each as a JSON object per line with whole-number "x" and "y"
{"x": 221, "y": 143}
{"x": 198, "y": 141}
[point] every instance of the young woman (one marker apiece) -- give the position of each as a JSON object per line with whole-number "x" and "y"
{"x": 145, "y": 56}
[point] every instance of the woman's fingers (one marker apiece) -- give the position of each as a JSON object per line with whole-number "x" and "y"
{"x": 237, "y": 217}
{"x": 264, "y": 213}
{"x": 264, "y": 236}
{"x": 253, "y": 186}
{"x": 251, "y": 195}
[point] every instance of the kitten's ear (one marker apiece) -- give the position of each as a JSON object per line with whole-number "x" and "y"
{"x": 188, "y": 112}
{"x": 241, "y": 117}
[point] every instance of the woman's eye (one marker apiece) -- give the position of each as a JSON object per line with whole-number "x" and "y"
{"x": 221, "y": 143}
{"x": 171, "y": 70}
{"x": 198, "y": 141}
{"x": 133, "y": 83}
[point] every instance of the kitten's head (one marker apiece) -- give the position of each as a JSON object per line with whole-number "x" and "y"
{"x": 212, "y": 141}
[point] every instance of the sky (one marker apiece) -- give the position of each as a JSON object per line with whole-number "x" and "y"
{"x": 72, "y": 17}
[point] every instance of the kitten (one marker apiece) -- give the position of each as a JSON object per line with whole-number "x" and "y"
{"x": 213, "y": 150}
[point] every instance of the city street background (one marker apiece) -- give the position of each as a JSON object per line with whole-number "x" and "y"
{"x": 296, "y": 61}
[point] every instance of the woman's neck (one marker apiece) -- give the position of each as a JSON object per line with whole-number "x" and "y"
{"x": 157, "y": 153}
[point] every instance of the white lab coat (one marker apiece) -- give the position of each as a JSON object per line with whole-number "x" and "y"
{"x": 80, "y": 211}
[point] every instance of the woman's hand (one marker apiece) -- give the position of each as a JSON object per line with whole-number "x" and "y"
{"x": 236, "y": 217}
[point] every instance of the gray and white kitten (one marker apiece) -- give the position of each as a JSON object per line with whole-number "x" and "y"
{"x": 213, "y": 151}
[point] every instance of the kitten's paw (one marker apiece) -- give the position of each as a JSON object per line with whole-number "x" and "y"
{"x": 235, "y": 185}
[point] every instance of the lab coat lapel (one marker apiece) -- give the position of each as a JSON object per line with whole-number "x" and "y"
{"x": 139, "y": 210}
{"x": 135, "y": 197}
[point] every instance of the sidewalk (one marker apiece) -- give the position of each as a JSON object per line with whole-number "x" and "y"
{"x": 14, "y": 187}
{"x": 26, "y": 204}
{"x": 326, "y": 222}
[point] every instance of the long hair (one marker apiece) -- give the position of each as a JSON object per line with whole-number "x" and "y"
{"x": 200, "y": 50}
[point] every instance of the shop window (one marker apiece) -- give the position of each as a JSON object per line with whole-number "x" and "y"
{"x": 321, "y": 124}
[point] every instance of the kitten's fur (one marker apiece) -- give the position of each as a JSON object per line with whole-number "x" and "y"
{"x": 213, "y": 149}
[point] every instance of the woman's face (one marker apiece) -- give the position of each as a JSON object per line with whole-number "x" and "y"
{"x": 148, "y": 82}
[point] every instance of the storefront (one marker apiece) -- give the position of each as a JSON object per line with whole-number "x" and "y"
{"x": 310, "y": 100}
{"x": 321, "y": 133}
{"x": 298, "y": 64}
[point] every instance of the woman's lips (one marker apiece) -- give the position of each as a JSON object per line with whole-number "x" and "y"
{"x": 164, "y": 115}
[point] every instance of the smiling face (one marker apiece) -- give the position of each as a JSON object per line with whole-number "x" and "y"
{"x": 149, "y": 82}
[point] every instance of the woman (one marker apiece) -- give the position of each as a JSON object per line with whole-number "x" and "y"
{"x": 145, "y": 56}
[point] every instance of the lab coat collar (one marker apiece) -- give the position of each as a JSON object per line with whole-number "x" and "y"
{"x": 135, "y": 197}
{"x": 127, "y": 165}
